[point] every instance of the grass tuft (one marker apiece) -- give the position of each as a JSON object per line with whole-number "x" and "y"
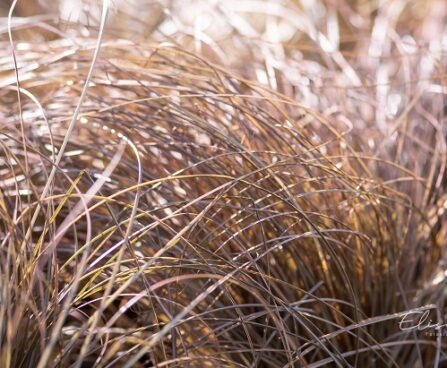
{"x": 248, "y": 184}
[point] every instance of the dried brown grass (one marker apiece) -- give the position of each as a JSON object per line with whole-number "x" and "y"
{"x": 251, "y": 186}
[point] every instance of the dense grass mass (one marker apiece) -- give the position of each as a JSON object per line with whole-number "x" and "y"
{"x": 223, "y": 184}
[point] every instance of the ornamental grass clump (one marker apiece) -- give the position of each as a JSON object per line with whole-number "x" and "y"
{"x": 272, "y": 195}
